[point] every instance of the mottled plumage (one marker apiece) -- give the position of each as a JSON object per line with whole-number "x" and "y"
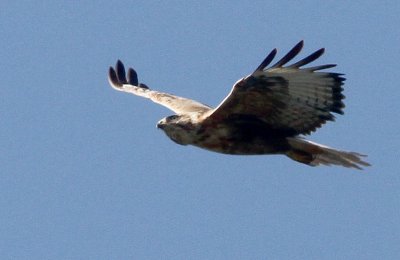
{"x": 266, "y": 112}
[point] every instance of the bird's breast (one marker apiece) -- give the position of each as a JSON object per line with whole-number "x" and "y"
{"x": 231, "y": 139}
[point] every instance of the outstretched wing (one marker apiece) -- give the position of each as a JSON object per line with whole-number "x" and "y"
{"x": 289, "y": 99}
{"x": 129, "y": 83}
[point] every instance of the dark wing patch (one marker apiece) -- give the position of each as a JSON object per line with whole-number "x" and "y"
{"x": 291, "y": 99}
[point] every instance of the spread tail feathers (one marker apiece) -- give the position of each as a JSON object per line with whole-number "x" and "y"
{"x": 314, "y": 154}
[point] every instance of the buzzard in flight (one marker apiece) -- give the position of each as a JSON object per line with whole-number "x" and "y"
{"x": 266, "y": 112}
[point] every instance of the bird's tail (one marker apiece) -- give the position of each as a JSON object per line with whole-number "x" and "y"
{"x": 314, "y": 154}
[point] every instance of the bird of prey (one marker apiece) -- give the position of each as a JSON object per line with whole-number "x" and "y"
{"x": 266, "y": 112}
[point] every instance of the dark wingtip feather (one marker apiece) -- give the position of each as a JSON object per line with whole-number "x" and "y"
{"x": 142, "y": 85}
{"x": 132, "y": 77}
{"x": 327, "y": 117}
{"x": 120, "y": 70}
{"x": 267, "y": 60}
{"x": 290, "y": 55}
{"x": 308, "y": 59}
{"x": 112, "y": 77}
{"x": 337, "y": 110}
{"x": 321, "y": 67}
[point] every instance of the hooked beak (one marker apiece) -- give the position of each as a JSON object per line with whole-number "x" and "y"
{"x": 161, "y": 124}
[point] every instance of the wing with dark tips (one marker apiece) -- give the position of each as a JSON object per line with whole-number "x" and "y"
{"x": 129, "y": 83}
{"x": 290, "y": 99}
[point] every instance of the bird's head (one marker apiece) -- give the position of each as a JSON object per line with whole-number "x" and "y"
{"x": 179, "y": 128}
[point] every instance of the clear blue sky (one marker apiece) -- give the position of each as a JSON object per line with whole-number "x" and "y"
{"x": 85, "y": 174}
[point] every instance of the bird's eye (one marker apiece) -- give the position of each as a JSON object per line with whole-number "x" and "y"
{"x": 171, "y": 118}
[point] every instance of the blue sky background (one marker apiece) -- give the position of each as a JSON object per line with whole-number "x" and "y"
{"x": 85, "y": 174}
